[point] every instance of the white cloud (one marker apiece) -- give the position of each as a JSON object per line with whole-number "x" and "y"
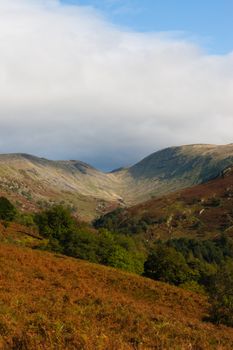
{"x": 72, "y": 85}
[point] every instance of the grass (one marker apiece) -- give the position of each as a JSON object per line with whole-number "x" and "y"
{"x": 49, "y": 301}
{"x": 203, "y": 211}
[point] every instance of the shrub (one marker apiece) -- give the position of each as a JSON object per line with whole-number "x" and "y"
{"x": 7, "y": 210}
{"x": 221, "y": 295}
{"x": 79, "y": 240}
{"x": 167, "y": 265}
{"x": 25, "y": 219}
{"x": 54, "y": 222}
{"x": 193, "y": 286}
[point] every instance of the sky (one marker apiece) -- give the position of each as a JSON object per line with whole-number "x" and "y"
{"x": 111, "y": 81}
{"x": 208, "y": 22}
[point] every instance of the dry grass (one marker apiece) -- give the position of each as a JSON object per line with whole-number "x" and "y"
{"x": 52, "y": 302}
{"x": 35, "y": 183}
{"x": 20, "y": 234}
{"x": 187, "y": 213}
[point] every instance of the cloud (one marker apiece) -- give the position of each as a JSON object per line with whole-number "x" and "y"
{"x": 75, "y": 86}
{"x": 118, "y": 7}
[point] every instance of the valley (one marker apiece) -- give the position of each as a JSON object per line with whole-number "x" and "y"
{"x": 152, "y": 271}
{"x": 34, "y": 183}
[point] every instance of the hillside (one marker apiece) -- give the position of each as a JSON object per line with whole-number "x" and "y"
{"x": 202, "y": 211}
{"x": 54, "y": 302}
{"x": 19, "y": 234}
{"x": 34, "y": 183}
{"x": 172, "y": 169}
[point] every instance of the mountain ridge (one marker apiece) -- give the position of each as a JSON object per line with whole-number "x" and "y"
{"x": 90, "y": 192}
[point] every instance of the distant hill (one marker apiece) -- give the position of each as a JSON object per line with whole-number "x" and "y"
{"x": 172, "y": 169}
{"x": 34, "y": 182}
{"x": 49, "y": 301}
{"x": 202, "y": 211}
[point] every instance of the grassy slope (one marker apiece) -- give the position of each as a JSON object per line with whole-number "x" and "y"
{"x": 20, "y": 235}
{"x": 53, "y": 302}
{"x": 202, "y": 211}
{"x": 172, "y": 169}
{"x": 35, "y": 182}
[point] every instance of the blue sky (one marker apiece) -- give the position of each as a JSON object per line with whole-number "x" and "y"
{"x": 207, "y": 21}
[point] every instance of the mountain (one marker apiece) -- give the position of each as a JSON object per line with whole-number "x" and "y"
{"x": 201, "y": 211}
{"x": 49, "y": 301}
{"x": 37, "y": 182}
{"x": 34, "y": 182}
{"x": 172, "y": 169}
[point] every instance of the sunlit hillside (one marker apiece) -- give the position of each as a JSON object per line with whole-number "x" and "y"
{"x": 53, "y": 302}
{"x": 202, "y": 211}
{"x": 36, "y": 183}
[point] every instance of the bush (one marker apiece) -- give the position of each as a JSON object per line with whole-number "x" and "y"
{"x": 221, "y": 295}
{"x": 167, "y": 265}
{"x": 7, "y": 210}
{"x": 79, "y": 240}
{"x": 54, "y": 222}
{"x": 193, "y": 286}
{"x": 102, "y": 247}
{"x": 25, "y": 219}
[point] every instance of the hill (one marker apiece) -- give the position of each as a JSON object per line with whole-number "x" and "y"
{"x": 33, "y": 182}
{"x": 19, "y": 234}
{"x": 172, "y": 169}
{"x": 202, "y": 211}
{"x": 53, "y": 302}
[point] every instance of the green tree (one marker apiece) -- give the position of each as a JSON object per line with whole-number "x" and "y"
{"x": 7, "y": 210}
{"x": 221, "y": 295}
{"x": 167, "y": 265}
{"x": 125, "y": 260}
{"x": 79, "y": 240}
{"x": 120, "y": 259}
{"x": 54, "y": 222}
{"x": 80, "y": 244}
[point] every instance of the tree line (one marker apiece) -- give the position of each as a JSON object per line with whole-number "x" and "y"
{"x": 202, "y": 266}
